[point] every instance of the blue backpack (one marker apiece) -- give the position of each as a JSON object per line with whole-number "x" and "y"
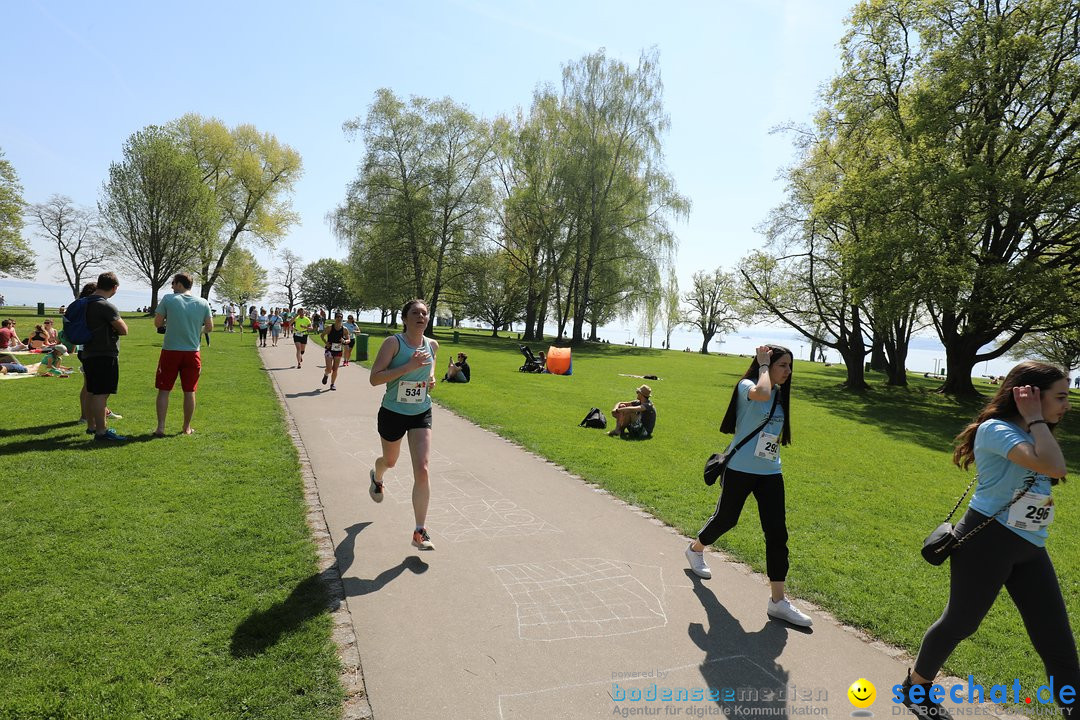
{"x": 75, "y": 328}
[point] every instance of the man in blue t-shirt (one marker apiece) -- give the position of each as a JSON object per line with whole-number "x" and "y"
{"x": 184, "y": 318}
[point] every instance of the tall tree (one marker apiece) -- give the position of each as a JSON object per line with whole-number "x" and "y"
{"x": 157, "y": 208}
{"x": 251, "y": 175}
{"x": 16, "y": 257}
{"x": 713, "y": 305}
{"x": 75, "y": 233}
{"x": 325, "y": 284}
{"x": 288, "y": 278}
{"x": 619, "y": 196}
{"x": 494, "y": 292}
{"x": 242, "y": 280}
{"x": 671, "y": 307}
{"x": 423, "y": 196}
{"x": 980, "y": 102}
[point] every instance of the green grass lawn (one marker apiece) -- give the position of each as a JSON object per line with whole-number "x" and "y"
{"x": 161, "y": 578}
{"x": 868, "y": 475}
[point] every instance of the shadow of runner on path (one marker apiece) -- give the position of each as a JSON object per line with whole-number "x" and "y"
{"x": 741, "y": 665}
{"x": 313, "y": 596}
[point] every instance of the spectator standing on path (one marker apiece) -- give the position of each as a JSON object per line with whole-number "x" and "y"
{"x": 263, "y": 322}
{"x": 760, "y": 405}
{"x": 302, "y": 325}
{"x": 1006, "y": 526}
{"x": 335, "y": 339}
{"x": 101, "y": 356}
{"x": 184, "y": 317}
{"x": 406, "y": 365}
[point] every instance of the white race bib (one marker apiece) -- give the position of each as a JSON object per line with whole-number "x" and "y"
{"x": 1033, "y": 511}
{"x": 768, "y": 447}
{"x": 335, "y": 347}
{"x": 411, "y": 392}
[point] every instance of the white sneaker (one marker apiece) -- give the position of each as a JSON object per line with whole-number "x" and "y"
{"x": 697, "y": 562}
{"x": 784, "y": 610}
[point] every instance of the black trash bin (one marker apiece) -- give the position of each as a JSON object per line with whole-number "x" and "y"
{"x": 361, "y": 346}
{"x": 41, "y": 309}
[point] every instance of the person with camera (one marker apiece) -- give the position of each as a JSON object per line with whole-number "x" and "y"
{"x": 760, "y": 405}
{"x": 1003, "y": 533}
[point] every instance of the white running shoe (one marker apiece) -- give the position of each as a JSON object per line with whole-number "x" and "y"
{"x": 697, "y": 562}
{"x": 375, "y": 490}
{"x": 784, "y": 610}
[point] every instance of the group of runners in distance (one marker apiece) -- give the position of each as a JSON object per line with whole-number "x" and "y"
{"x": 1011, "y": 443}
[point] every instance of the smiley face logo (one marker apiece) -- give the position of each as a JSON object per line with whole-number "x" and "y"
{"x": 862, "y": 693}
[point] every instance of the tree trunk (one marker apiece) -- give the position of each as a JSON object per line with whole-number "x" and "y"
{"x": 960, "y": 359}
{"x": 705, "y": 342}
{"x": 878, "y": 362}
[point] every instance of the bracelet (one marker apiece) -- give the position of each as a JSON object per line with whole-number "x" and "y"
{"x": 762, "y": 367}
{"x": 1036, "y": 422}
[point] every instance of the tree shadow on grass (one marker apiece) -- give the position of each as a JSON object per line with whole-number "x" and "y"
{"x": 913, "y": 415}
{"x": 314, "y": 595}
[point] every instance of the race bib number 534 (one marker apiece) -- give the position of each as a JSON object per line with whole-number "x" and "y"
{"x": 411, "y": 392}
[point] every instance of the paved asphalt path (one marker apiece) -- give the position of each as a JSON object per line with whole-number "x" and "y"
{"x": 546, "y": 597}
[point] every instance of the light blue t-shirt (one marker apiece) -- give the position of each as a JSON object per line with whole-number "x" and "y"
{"x": 185, "y": 314}
{"x": 1000, "y": 478}
{"x": 422, "y": 373}
{"x": 748, "y": 415}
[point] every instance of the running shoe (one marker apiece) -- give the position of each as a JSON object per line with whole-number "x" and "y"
{"x": 375, "y": 490}
{"x": 333, "y": 386}
{"x": 697, "y": 562}
{"x": 115, "y": 416}
{"x": 325, "y": 378}
{"x": 787, "y": 612}
{"x": 421, "y": 540}
{"x": 926, "y": 709}
{"x": 110, "y": 436}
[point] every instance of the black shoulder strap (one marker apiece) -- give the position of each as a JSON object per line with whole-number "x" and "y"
{"x": 759, "y": 428}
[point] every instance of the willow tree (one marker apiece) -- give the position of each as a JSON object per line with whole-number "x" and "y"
{"x": 619, "y": 198}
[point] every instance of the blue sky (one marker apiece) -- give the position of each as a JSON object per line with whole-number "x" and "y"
{"x": 81, "y": 77}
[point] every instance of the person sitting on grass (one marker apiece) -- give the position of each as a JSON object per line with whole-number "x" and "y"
{"x": 543, "y": 361}
{"x": 39, "y": 339}
{"x": 50, "y": 363}
{"x": 51, "y": 333}
{"x": 635, "y": 419}
{"x": 459, "y": 372}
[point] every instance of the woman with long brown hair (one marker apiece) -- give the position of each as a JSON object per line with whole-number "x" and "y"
{"x": 760, "y": 406}
{"x": 1006, "y": 525}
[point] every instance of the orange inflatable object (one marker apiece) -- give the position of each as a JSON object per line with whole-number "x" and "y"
{"x": 558, "y": 361}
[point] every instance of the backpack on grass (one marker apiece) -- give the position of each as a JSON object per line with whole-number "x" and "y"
{"x": 594, "y": 419}
{"x": 76, "y": 330}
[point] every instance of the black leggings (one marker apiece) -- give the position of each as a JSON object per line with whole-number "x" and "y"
{"x": 262, "y": 334}
{"x": 993, "y": 558}
{"x": 768, "y": 490}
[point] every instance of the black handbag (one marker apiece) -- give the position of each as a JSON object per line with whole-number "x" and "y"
{"x": 718, "y": 462}
{"x": 943, "y": 541}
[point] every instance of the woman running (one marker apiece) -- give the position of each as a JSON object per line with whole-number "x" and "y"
{"x": 759, "y": 406}
{"x": 1018, "y": 460}
{"x": 335, "y": 337}
{"x": 406, "y": 365}
{"x": 302, "y": 323}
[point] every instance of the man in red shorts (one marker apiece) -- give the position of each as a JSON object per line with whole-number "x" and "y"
{"x": 184, "y": 317}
